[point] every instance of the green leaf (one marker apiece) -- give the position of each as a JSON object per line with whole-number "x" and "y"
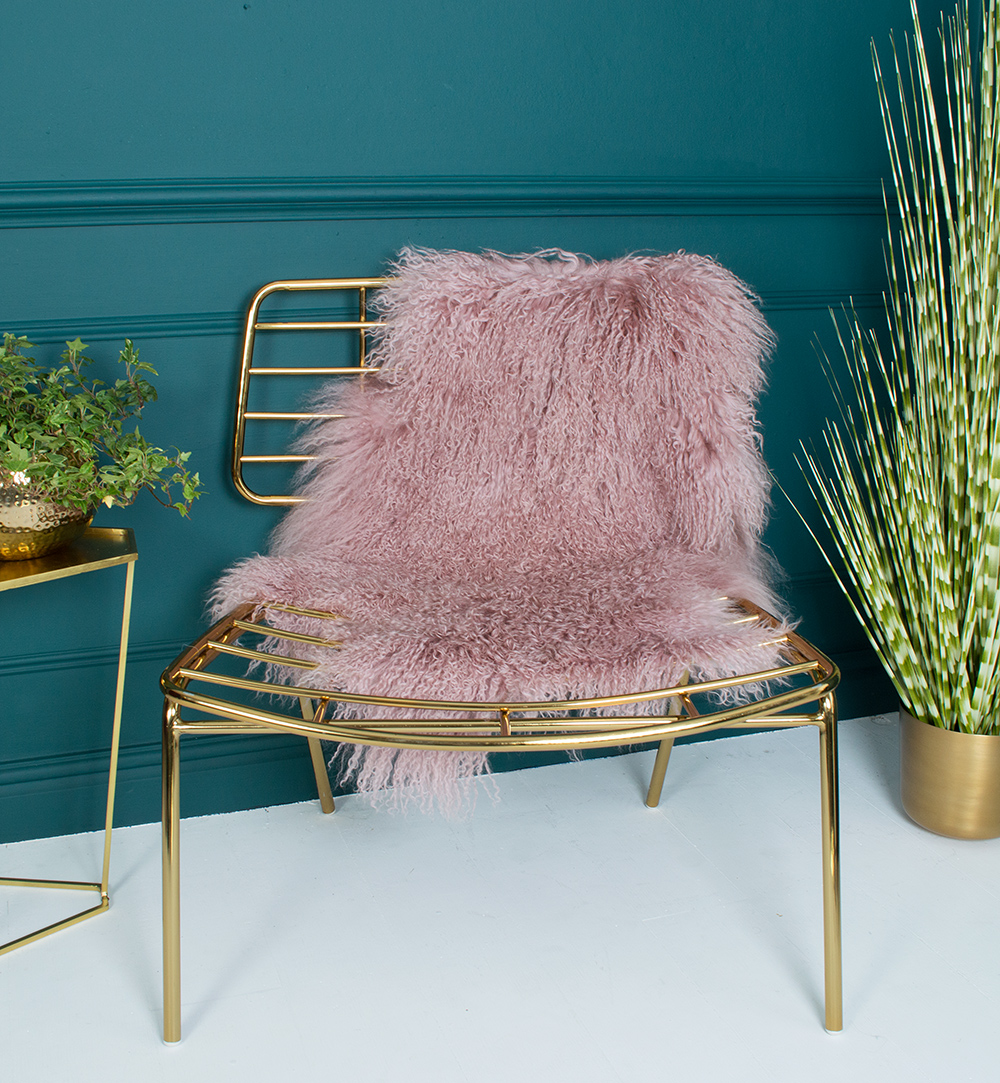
{"x": 68, "y": 430}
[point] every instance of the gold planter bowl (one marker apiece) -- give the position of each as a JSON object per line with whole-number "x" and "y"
{"x": 950, "y": 780}
{"x": 31, "y": 526}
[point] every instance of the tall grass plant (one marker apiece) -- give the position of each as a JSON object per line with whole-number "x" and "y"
{"x": 909, "y": 484}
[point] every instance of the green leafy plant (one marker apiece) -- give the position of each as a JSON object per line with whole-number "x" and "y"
{"x": 911, "y": 490}
{"x": 74, "y": 439}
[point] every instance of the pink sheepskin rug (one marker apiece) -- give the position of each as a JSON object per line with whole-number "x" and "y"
{"x": 550, "y": 490}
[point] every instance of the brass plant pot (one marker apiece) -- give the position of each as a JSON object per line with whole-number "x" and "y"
{"x": 950, "y": 780}
{"x": 30, "y": 525}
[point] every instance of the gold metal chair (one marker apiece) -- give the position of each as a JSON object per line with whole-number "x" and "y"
{"x": 206, "y": 689}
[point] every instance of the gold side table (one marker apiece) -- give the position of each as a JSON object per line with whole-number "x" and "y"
{"x": 98, "y": 548}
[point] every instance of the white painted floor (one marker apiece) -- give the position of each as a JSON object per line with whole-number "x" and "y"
{"x": 565, "y": 932}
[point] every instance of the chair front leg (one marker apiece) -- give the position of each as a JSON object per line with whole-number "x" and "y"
{"x": 829, "y": 784}
{"x": 171, "y": 876}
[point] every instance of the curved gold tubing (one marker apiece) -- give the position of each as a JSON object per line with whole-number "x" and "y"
{"x": 502, "y": 732}
{"x": 381, "y": 734}
{"x": 393, "y": 733}
{"x": 253, "y": 324}
{"x": 190, "y": 666}
{"x": 320, "y": 614}
{"x": 248, "y": 685}
{"x": 281, "y": 633}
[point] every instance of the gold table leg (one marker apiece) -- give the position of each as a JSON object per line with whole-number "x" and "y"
{"x": 76, "y": 885}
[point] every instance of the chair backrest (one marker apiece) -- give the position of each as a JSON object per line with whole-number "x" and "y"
{"x": 337, "y": 330}
{"x": 595, "y": 409}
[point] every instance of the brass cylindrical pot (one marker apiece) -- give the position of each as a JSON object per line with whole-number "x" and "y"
{"x": 950, "y": 780}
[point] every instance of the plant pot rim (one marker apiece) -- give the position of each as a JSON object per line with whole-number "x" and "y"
{"x": 905, "y": 716}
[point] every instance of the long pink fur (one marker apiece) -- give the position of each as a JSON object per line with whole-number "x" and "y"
{"x": 550, "y": 490}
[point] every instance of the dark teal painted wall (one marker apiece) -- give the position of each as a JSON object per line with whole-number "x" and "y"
{"x": 275, "y": 88}
{"x": 309, "y": 137}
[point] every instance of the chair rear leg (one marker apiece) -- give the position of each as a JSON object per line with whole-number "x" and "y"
{"x": 833, "y": 965}
{"x": 171, "y": 877}
{"x": 318, "y": 762}
{"x": 679, "y": 705}
{"x": 659, "y": 772}
{"x": 322, "y": 778}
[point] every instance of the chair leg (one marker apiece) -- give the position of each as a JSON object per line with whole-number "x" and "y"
{"x": 833, "y": 968}
{"x": 659, "y": 772}
{"x": 318, "y": 762}
{"x": 171, "y": 878}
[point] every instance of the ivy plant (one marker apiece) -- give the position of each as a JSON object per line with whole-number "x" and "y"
{"x": 76, "y": 440}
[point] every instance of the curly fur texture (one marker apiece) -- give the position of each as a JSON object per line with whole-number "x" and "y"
{"x": 550, "y": 490}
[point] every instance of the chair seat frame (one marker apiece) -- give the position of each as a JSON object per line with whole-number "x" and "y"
{"x": 203, "y": 696}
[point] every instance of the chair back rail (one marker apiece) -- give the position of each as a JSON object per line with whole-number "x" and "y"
{"x": 359, "y": 328}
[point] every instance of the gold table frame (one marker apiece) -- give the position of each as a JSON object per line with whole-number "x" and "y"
{"x": 100, "y": 547}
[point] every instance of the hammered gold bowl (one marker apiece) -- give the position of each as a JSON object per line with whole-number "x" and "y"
{"x": 30, "y": 525}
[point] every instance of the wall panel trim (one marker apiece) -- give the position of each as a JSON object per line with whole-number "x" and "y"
{"x": 224, "y": 324}
{"x": 227, "y": 199}
{"x": 159, "y": 651}
{"x": 91, "y": 767}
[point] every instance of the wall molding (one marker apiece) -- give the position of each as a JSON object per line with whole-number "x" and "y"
{"x": 154, "y": 651}
{"x": 228, "y": 324}
{"x": 282, "y": 199}
{"x": 139, "y": 328}
{"x": 821, "y": 300}
{"x": 141, "y": 761}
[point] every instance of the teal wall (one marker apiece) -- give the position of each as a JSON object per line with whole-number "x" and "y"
{"x": 159, "y": 163}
